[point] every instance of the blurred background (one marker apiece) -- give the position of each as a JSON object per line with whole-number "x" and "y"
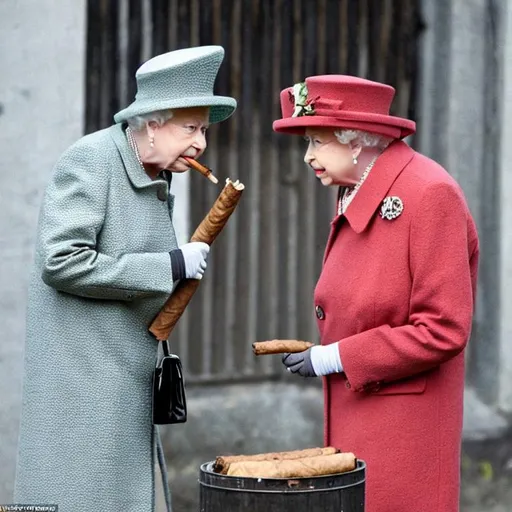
{"x": 67, "y": 67}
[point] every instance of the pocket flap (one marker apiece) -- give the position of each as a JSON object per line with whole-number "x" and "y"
{"x": 410, "y": 386}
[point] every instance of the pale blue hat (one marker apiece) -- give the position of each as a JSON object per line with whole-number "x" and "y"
{"x": 180, "y": 79}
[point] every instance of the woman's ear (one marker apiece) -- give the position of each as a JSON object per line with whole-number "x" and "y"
{"x": 356, "y": 150}
{"x": 151, "y": 127}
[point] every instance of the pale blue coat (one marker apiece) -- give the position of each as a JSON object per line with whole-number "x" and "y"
{"x": 102, "y": 272}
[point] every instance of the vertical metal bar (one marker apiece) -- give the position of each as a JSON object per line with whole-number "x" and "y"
{"x": 415, "y": 29}
{"x": 344, "y": 37}
{"x": 108, "y": 84}
{"x": 321, "y": 40}
{"x": 159, "y": 20}
{"x": 333, "y": 31}
{"x": 217, "y": 25}
{"x": 292, "y": 190}
{"x": 242, "y": 90}
{"x": 394, "y": 45}
{"x": 352, "y": 36}
{"x": 386, "y": 29}
{"x": 252, "y": 142}
{"x": 307, "y": 182}
{"x": 147, "y": 29}
{"x": 202, "y": 34}
{"x": 229, "y": 29}
{"x": 274, "y": 56}
{"x": 123, "y": 76}
{"x": 172, "y": 25}
{"x": 194, "y": 22}
{"x": 219, "y": 273}
{"x": 362, "y": 26}
{"x": 134, "y": 54}
{"x": 93, "y": 59}
{"x": 262, "y": 99}
{"x": 285, "y": 65}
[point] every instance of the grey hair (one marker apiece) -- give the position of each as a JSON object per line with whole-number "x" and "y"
{"x": 160, "y": 117}
{"x": 364, "y": 139}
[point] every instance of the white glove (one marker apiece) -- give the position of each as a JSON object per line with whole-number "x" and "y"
{"x": 194, "y": 254}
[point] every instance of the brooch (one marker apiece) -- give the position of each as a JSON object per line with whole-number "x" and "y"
{"x": 392, "y": 207}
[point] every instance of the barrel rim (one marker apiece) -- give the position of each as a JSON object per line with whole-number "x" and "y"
{"x": 207, "y": 469}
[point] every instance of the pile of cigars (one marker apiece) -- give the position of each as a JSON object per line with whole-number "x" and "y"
{"x": 292, "y": 464}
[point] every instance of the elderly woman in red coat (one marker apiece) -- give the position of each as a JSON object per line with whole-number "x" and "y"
{"x": 394, "y": 301}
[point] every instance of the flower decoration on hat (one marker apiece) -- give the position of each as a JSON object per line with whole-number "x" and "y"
{"x": 299, "y": 97}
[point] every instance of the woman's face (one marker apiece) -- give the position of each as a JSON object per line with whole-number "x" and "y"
{"x": 332, "y": 162}
{"x": 183, "y": 135}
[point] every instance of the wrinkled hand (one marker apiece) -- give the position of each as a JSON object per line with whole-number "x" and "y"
{"x": 194, "y": 254}
{"x": 300, "y": 363}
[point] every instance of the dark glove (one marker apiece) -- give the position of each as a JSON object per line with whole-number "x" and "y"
{"x": 299, "y": 363}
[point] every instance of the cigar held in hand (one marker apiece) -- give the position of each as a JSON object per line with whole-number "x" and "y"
{"x": 210, "y": 227}
{"x": 280, "y": 346}
{"x": 296, "y": 468}
{"x": 223, "y": 462}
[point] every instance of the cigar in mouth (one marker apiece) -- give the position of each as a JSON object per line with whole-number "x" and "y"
{"x": 201, "y": 168}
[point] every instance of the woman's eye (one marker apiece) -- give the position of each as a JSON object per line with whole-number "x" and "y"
{"x": 190, "y": 128}
{"x": 203, "y": 130}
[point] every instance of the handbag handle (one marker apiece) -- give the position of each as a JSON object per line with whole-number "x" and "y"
{"x": 165, "y": 346}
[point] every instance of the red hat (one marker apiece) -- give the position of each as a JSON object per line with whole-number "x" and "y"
{"x": 339, "y": 101}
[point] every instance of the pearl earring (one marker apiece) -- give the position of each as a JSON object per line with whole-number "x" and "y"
{"x": 355, "y": 160}
{"x": 152, "y": 142}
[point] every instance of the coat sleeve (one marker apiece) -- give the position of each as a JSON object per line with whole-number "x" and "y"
{"x": 443, "y": 253}
{"x": 72, "y": 216}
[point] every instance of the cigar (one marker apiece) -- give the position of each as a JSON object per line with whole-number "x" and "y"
{"x": 205, "y": 171}
{"x": 279, "y": 346}
{"x": 223, "y": 462}
{"x": 305, "y": 467}
{"x": 207, "y": 231}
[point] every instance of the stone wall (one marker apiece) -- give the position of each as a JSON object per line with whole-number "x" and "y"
{"x": 41, "y": 113}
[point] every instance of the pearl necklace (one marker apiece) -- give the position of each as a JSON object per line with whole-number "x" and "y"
{"x": 347, "y": 198}
{"x": 133, "y": 145}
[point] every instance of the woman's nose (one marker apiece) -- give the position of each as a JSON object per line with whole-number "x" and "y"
{"x": 201, "y": 141}
{"x": 308, "y": 157}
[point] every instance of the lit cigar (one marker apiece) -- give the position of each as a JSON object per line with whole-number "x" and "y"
{"x": 202, "y": 169}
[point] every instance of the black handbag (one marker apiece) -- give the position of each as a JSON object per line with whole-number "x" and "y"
{"x": 169, "y": 403}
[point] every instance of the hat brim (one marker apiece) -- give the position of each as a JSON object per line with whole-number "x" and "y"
{"x": 388, "y": 126}
{"x": 221, "y": 107}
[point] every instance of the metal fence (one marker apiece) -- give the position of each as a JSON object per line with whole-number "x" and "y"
{"x": 263, "y": 267}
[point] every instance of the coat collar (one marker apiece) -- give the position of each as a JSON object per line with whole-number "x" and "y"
{"x": 136, "y": 175}
{"x": 373, "y": 191}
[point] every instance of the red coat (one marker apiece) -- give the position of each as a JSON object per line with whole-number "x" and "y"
{"x": 398, "y": 295}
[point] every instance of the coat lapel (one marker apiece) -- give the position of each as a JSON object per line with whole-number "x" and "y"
{"x": 373, "y": 191}
{"x": 137, "y": 176}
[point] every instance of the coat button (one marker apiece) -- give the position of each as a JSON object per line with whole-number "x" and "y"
{"x": 161, "y": 194}
{"x": 347, "y": 385}
{"x": 319, "y": 313}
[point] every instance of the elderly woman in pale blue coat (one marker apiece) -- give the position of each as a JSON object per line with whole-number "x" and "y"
{"x": 106, "y": 261}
